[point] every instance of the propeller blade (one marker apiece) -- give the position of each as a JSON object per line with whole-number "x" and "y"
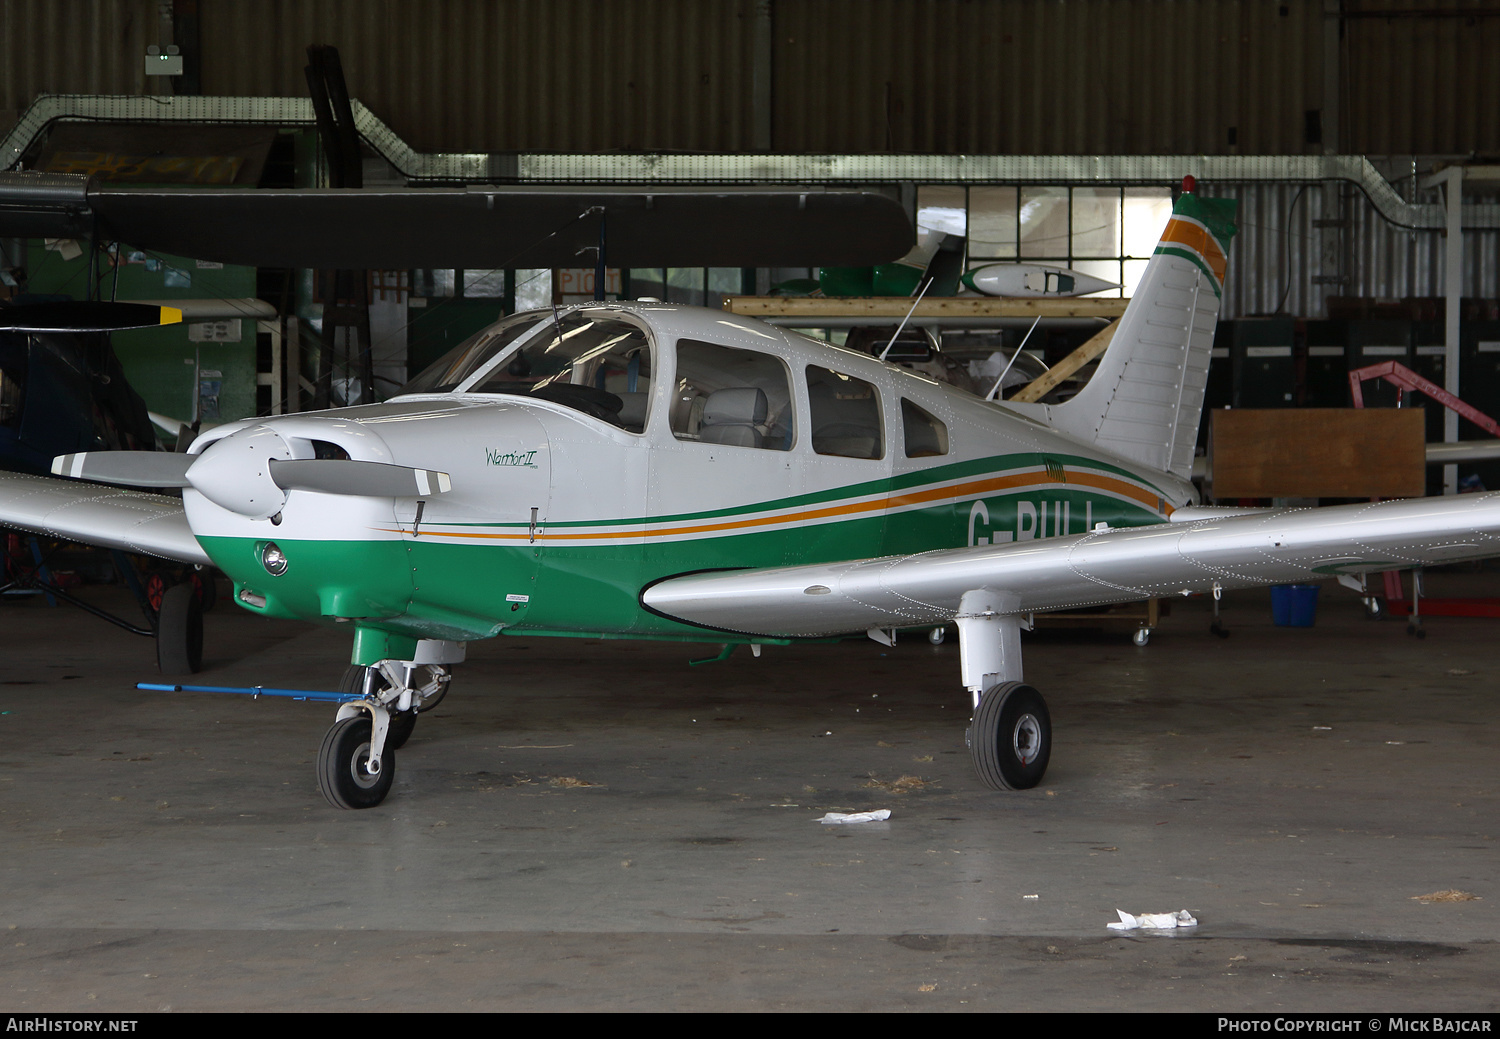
{"x": 345, "y": 476}
{"x": 85, "y": 316}
{"x": 131, "y": 468}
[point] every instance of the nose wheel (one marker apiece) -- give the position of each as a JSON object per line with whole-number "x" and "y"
{"x": 344, "y": 766}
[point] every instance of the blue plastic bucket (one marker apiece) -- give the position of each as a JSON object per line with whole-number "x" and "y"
{"x": 1294, "y": 605}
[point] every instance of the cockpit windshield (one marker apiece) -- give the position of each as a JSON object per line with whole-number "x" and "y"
{"x": 448, "y": 372}
{"x": 599, "y": 364}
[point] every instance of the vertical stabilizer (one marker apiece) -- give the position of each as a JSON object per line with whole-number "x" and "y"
{"x": 1146, "y": 398}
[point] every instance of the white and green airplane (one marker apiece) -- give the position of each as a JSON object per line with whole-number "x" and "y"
{"x": 654, "y": 471}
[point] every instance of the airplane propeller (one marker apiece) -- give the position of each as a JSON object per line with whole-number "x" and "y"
{"x": 84, "y": 316}
{"x": 247, "y": 485}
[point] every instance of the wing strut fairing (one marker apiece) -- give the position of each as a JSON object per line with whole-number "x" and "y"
{"x": 1109, "y": 566}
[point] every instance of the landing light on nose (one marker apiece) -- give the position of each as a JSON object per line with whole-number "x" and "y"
{"x": 273, "y": 559}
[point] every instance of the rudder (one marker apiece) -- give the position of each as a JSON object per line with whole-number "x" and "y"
{"x": 1144, "y": 402}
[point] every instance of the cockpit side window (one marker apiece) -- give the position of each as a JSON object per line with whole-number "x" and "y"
{"x": 924, "y": 434}
{"x": 725, "y": 395}
{"x": 845, "y": 415}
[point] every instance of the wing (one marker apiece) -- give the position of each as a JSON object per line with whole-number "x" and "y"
{"x": 149, "y": 524}
{"x": 1195, "y": 554}
{"x": 491, "y": 226}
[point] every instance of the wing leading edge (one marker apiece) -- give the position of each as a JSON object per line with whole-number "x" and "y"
{"x": 1101, "y": 567}
{"x": 148, "y": 524}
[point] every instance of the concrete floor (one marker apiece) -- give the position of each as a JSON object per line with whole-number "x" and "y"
{"x": 595, "y": 825}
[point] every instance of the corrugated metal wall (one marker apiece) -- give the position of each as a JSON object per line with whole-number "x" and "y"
{"x": 1421, "y": 78}
{"x": 868, "y": 76}
{"x": 1046, "y": 77}
{"x": 72, "y": 47}
{"x": 924, "y": 76}
{"x": 482, "y": 75}
{"x": 1281, "y": 249}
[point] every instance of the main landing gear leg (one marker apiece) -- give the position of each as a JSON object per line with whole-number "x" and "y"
{"x": 357, "y": 761}
{"x": 1010, "y": 736}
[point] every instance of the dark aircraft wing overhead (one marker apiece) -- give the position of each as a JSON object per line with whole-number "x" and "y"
{"x": 482, "y": 227}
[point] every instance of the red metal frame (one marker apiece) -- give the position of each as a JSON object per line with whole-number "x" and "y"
{"x": 1398, "y": 374}
{"x": 1403, "y": 377}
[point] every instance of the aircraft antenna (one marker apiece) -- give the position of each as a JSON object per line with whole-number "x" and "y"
{"x": 996, "y": 388}
{"x": 907, "y": 318}
{"x": 599, "y": 268}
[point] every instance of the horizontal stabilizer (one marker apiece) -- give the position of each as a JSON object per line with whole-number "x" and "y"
{"x": 147, "y": 524}
{"x": 344, "y": 476}
{"x": 131, "y": 468}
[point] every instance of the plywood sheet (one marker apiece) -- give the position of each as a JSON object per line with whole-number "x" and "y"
{"x": 1319, "y": 453}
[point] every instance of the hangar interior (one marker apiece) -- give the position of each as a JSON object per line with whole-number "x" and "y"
{"x": 1317, "y": 787}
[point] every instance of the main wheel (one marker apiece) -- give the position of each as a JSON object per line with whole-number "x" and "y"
{"x": 179, "y": 631}
{"x": 206, "y": 588}
{"x": 343, "y": 776}
{"x": 1010, "y": 738}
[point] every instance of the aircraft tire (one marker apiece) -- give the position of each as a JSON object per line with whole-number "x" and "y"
{"x": 342, "y": 778}
{"x": 402, "y": 722}
{"x": 1010, "y": 738}
{"x": 179, "y": 631}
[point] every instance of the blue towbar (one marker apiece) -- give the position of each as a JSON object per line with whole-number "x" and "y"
{"x": 255, "y": 690}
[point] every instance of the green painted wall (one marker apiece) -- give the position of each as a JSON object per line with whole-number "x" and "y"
{"x": 159, "y": 362}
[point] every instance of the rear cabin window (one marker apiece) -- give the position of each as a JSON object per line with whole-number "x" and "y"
{"x": 724, "y": 395}
{"x": 845, "y": 414}
{"x": 925, "y": 435}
